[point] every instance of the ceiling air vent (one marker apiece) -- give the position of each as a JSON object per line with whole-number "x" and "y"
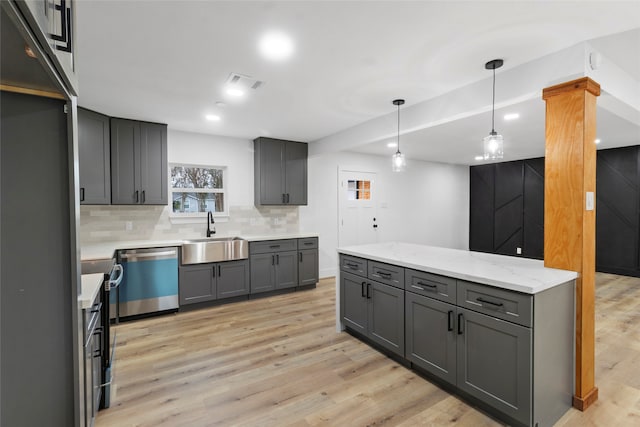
{"x": 240, "y": 81}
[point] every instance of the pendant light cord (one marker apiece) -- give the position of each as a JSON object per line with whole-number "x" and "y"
{"x": 493, "y": 102}
{"x": 397, "y": 152}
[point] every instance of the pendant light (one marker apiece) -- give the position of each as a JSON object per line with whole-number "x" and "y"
{"x": 493, "y": 144}
{"x": 398, "y": 162}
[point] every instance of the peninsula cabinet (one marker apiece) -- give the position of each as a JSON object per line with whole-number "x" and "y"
{"x": 280, "y": 174}
{"x": 139, "y": 164}
{"x": 94, "y": 158}
{"x": 373, "y": 309}
{"x": 207, "y": 282}
{"x": 507, "y": 351}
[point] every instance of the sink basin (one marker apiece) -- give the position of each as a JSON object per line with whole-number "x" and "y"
{"x": 214, "y": 249}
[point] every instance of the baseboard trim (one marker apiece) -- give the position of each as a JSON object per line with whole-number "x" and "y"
{"x": 582, "y": 403}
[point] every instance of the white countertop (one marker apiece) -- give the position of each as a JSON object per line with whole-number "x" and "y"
{"x": 106, "y": 250}
{"x": 90, "y": 285}
{"x": 517, "y": 274}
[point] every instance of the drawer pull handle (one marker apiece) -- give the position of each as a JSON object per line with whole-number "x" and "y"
{"x": 384, "y": 275}
{"x": 484, "y": 301}
{"x": 460, "y": 324}
{"x": 417, "y": 287}
{"x": 274, "y": 246}
{"x": 362, "y": 290}
{"x": 428, "y": 285}
{"x": 450, "y": 321}
{"x": 351, "y": 265}
{"x": 308, "y": 243}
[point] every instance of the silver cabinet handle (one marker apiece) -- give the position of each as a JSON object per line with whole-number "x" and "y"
{"x": 148, "y": 255}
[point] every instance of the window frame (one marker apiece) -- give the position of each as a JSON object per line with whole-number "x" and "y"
{"x": 223, "y": 191}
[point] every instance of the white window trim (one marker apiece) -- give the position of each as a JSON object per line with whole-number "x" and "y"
{"x": 197, "y": 217}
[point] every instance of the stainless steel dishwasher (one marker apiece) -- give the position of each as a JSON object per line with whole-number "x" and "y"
{"x": 149, "y": 282}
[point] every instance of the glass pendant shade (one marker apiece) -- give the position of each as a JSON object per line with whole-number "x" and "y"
{"x": 399, "y": 163}
{"x": 493, "y": 146}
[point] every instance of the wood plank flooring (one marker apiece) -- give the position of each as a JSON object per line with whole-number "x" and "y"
{"x": 278, "y": 361}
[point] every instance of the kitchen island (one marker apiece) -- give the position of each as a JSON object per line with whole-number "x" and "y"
{"x": 496, "y": 330}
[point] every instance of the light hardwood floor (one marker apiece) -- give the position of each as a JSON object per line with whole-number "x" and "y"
{"x": 278, "y": 361}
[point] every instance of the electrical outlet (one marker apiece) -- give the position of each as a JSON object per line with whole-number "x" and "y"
{"x": 519, "y": 251}
{"x": 128, "y": 225}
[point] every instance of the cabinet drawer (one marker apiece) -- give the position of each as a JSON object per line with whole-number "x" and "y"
{"x": 431, "y": 285}
{"x": 273, "y": 246}
{"x": 353, "y": 265}
{"x": 504, "y": 304}
{"x": 386, "y": 273}
{"x": 308, "y": 243}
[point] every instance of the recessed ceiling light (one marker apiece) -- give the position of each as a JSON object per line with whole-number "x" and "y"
{"x": 276, "y": 46}
{"x": 598, "y": 141}
{"x": 220, "y": 104}
{"x": 235, "y": 91}
{"x": 212, "y": 118}
{"x": 478, "y": 158}
{"x": 511, "y": 116}
{"x": 392, "y": 144}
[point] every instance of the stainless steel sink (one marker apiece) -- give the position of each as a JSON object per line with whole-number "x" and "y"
{"x": 214, "y": 249}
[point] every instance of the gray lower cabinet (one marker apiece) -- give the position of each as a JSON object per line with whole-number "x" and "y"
{"x": 94, "y": 154}
{"x": 494, "y": 363}
{"x": 272, "y": 271}
{"x": 207, "y": 282}
{"x": 373, "y": 309}
{"x": 308, "y": 267}
{"x": 280, "y": 172}
{"x": 431, "y": 335}
{"x": 139, "y": 165}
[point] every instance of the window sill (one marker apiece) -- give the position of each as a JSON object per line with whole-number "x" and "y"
{"x": 196, "y": 218}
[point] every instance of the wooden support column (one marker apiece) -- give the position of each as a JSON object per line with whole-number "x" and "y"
{"x": 569, "y": 227}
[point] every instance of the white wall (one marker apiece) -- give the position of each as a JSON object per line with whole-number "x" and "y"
{"x": 427, "y": 204}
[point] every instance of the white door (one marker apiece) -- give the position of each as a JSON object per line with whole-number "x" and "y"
{"x": 356, "y": 208}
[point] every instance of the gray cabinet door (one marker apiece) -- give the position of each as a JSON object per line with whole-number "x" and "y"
{"x": 262, "y": 272}
{"x": 431, "y": 335}
{"x": 153, "y": 164}
{"x": 295, "y": 186}
{"x": 353, "y": 302}
{"x": 494, "y": 363}
{"x": 197, "y": 284}
{"x": 125, "y": 151}
{"x": 308, "y": 267}
{"x": 233, "y": 279}
{"x": 270, "y": 177}
{"x": 94, "y": 151}
{"x": 286, "y": 269}
{"x": 386, "y": 316}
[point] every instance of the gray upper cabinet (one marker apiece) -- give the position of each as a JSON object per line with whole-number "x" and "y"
{"x": 138, "y": 163}
{"x": 280, "y": 172}
{"x": 94, "y": 158}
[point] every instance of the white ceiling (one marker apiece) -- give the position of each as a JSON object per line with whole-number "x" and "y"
{"x": 167, "y": 61}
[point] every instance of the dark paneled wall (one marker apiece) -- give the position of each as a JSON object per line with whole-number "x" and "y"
{"x": 617, "y": 211}
{"x": 507, "y": 209}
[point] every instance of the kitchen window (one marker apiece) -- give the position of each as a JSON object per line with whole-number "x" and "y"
{"x": 197, "y": 189}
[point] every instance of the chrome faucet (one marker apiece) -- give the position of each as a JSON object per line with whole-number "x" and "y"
{"x": 210, "y": 221}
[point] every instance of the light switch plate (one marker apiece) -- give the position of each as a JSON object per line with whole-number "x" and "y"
{"x": 590, "y": 201}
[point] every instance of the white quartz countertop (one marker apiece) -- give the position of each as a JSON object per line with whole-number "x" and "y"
{"x": 90, "y": 285}
{"x": 106, "y": 250}
{"x": 517, "y": 274}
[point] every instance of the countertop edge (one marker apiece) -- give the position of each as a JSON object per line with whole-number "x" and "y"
{"x": 561, "y": 276}
{"x": 90, "y": 286}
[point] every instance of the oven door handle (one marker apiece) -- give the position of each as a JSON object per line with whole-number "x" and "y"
{"x": 114, "y": 283}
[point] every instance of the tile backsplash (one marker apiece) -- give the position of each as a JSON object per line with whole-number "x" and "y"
{"x": 109, "y": 223}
